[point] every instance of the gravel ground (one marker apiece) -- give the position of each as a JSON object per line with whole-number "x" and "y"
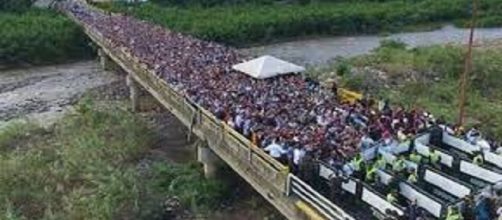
{"x": 44, "y": 94}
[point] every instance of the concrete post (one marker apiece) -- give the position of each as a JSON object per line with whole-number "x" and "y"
{"x": 133, "y": 92}
{"x": 209, "y": 159}
{"x": 105, "y": 61}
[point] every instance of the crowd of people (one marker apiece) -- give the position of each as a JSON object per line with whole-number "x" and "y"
{"x": 290, "y": 116}
{"x": 290, "y": 111}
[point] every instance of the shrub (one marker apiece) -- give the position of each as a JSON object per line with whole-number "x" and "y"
{"x": 253, "y": 22}
{"x": 394, "y": 44}
{"x": 189, "y": 185}
{"x": 343, "y": 68}
{"x": 86, "y": 167}
{"x": 15, "y": 5}
{"x": 39, "y": 37}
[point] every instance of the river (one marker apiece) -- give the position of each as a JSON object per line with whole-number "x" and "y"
{"x": 321, "y": 50}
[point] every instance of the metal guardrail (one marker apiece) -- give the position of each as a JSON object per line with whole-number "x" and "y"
{"x": 306, "y": 193}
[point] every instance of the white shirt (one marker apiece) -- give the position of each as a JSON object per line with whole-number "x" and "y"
{"x": 275, "y": 150}
{"x": 366, "y": 142}
{"x": 483, "y": 144}
{"x": 298, "y": 155}
{"x": 239, "y": 120}
{"x": 447, "y": 129}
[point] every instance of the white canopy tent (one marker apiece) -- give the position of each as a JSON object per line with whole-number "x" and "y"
{"x": 266, "y": 67}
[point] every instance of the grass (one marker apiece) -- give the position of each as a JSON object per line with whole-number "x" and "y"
{"x": 241, "y": 24}
{"x": 86, "y": 167}
{"x": 428, "y": 77}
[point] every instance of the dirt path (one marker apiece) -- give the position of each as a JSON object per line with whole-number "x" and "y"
{"x": 48, "y": 92}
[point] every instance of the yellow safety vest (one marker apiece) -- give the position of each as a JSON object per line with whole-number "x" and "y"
{"x": 398, "y": 165}
{"x": 415, "y": 158}
{"x": 478, "y": 160}
{"x": 380, "y": 163}
{"x": 453, "y": 216}
{"x": 370, "y": 174}
{"x": 357, "y": 163}
{"x": 391, "y": 198}
{"x": 413, "y": 178}
{"x": 434, "y": 157}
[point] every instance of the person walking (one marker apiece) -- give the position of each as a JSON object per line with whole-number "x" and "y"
{"x": 453, "y": 214}
{"x": 413, "y": 177}
{"x": 434, "y": 159}
{"x": 412, "y": 211}
{"x": 478, "y": 158}
{"x": 392, "y": 196}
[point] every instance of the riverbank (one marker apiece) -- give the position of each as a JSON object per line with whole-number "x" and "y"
{"x": 321, "y": 51}
{"x": 46, "y": 93}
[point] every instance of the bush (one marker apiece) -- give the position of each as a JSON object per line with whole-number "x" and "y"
{"x": 189, "y": 185}
{"x": 255, "y": 22}
{"x": 394, "y": 44}
{"x": 81, "y": 170}
{"x": 87, "y": 167}
{"x": 39, "y": 37}
{"x": 343, "y": 68}
{"x": 15, "y": 5}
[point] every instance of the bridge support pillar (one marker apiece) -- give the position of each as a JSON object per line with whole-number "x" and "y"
{"x": 209, "y": 159}
{"x": 134, "y": 91}
{"x": 105, "y": 61}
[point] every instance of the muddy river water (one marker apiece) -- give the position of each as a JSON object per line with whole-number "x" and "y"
{"x": 322, "y": 50}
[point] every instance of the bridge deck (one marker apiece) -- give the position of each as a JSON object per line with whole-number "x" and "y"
{"x": 267, "y": 176}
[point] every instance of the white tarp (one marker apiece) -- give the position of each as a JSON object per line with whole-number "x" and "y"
{"x": 446, "y": 184}
{"x": 325, "y": 172}
{"x": 460, "y": 144}
{"x": 385, "y": 178}
{"x": 266, "y": 67}
{"x": 424, "y": 201}
{"x": 378, "y": 202}
{"x": 493, "y": 158}
{"x": 350, "y": 186}
{"x": 480, "y": 172}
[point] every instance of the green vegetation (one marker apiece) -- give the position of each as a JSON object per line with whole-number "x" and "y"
{"x": 40, "y": 37}
{"x": 428, "y": 77}
{"x": 239, "y": 24}
{"x": 86, "y": 167}
{"x": 15, "y": 5}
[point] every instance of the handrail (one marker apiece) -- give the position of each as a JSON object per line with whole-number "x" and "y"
{"x": 297, "y": 187}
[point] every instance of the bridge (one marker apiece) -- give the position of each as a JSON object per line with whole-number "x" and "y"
{"x": 294, "y": 198}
